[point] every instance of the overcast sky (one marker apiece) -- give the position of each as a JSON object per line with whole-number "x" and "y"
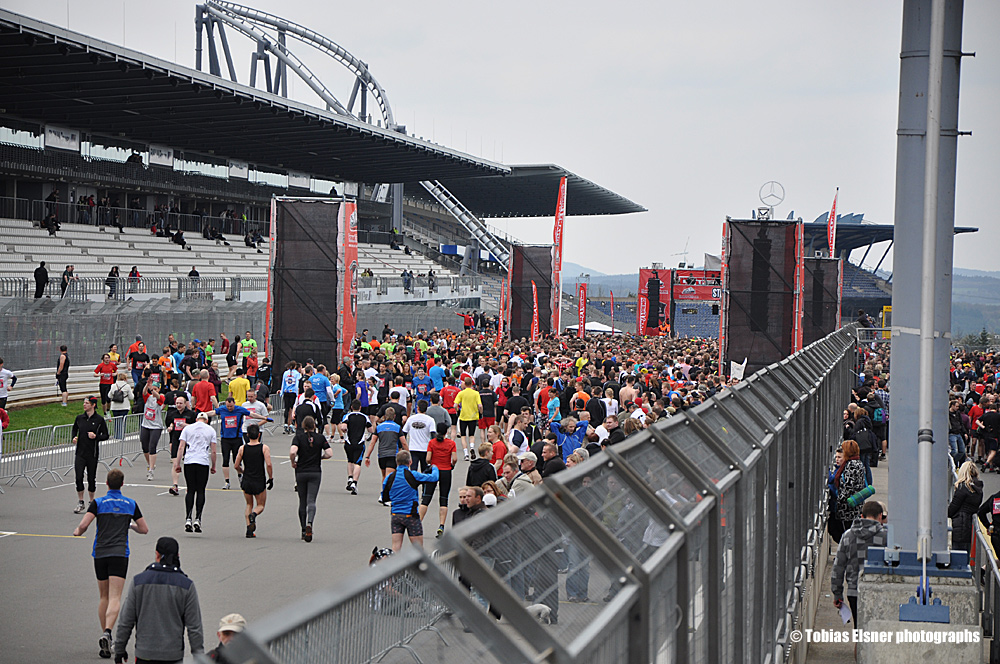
{"x": 685, "y": 108}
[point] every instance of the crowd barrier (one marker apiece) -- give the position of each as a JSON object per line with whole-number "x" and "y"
{"x": 122, "y": 288}
{"x": 31, "y": 454}
{"x": 696, "y": 540}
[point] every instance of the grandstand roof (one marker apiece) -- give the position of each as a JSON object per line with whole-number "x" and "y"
{"x": 531, "y": 191}
{"x": 853, "y": 234}
{"x": 52, "y": 75}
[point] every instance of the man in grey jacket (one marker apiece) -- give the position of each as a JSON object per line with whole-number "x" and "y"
{"x": 868, "y": 530}
{"x": 161, "y": 603}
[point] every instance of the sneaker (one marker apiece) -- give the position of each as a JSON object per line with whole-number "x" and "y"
{"x": 350, "y": 483}
{"x": 149, "y": 475}
{"x": 173, "y": 491}
{"x": 79, "y": 509}
{"x": 354, "y": 489}
{"x": 440, "y": 531}
{"x": 226, "y": 485}
{"x": 466, "y": 454}
{"x": 472, "y": 455}
{"x": 250, "y": 534}
{"x": 253, "y": 522}
{"x": 105, "y": 643}
{"x": 187, "y": 525}
{"x": 197, "y": 525}
{"x": 308, "y": 534}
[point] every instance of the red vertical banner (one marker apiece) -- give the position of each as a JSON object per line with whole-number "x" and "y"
{"x": 800, "y": 288}
{"x": 557, "y": 251}
{"x": 581, "y": 309}
{"x": 724, "y": 301}
{"x": 612, "y": 312}
{"x": 503, "y": 312}
{"x": 269, "y": 308}
{"x": 831, "y": 226}
{"x": 643, "y": 315}
{"x": 349, "y": 299}
{"x": 840, "y": 291}
{"x": 534, "y": 311}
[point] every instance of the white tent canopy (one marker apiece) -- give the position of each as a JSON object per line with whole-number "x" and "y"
{"x": 596, "y": 328}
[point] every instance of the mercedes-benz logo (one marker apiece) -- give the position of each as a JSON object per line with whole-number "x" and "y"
{"x": 772, "y": 193}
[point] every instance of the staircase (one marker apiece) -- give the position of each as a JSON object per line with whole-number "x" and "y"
{"x": 469, "y": 221}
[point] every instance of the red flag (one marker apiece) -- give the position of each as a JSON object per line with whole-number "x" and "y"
{"x": 557, "y": 232}
{"x": 612, "y": 312}
{"x": 831, "y": 225}
{"x": 503, "y": 312}
{"x": 534, "y": 312}
{"x": 349, "y": 302}
{"x": 581, "y": 309}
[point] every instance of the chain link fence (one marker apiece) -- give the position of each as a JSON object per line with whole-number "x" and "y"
{"x": 697, "y": 540}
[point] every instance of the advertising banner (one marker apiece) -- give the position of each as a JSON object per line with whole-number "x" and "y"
{"x": 534, "y": 311}
{"x": 269, "y": 307}
{"x": 161, "y": 155}
{"x": 62, "y": 138}
{"x": 831, "y": 225}
{"x": 557, "y": 251}
{"x": 612, "y": 312}
{"x": 349, "y": 299}
{"x": 239, "y": 169}
{"x": 581, "y": 309}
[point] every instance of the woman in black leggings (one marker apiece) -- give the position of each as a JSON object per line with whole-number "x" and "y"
{"x": 309, "y": 448}
{"x": 197, "y": 451}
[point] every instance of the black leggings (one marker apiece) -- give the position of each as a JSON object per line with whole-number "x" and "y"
{"x": 444, "y": 481}
{"x": 196, "y": 477}
{"x": 307, "y": 484}
{"x": 288, "y": 399}
{"x": 91, "y": 467}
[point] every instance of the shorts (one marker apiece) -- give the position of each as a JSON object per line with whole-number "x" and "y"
{"x": 467, "y": 427}
{"x": 230, "y": 445}
{"x": 252, "y": 486}
{"x": 111, "y": 566}
{"x": 149, "y": 439}
{"x": 486, "y": 422}
{"x": 355, "y": 452}
{"x": 230, "y": 361}
{"x": 336, "y": 416}
{"x": 454, "y": 419}
{"x": 410, "y": 525}
{"x": 105, "y": 393}
{"x": 324, "y": 408}
{"x": 174, "y": 445}
{"x": 386, "y": 462}
{"x": 444, "y": 482}
{"x": 371, "y": 410}
{"x": 991, "y": 445}
{"x": 61, "y": 380}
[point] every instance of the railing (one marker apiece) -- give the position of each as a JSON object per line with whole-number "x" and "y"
{"x": 126, "y": 217}
{"x": 700, "y": 534}
{"x": 874, "y": 335}
{"x": 178, "y": 288}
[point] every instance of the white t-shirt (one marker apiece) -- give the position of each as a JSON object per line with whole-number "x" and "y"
{"x": 419, "y": 429}
{"x": 523, "y": 447}
{"x": 602, "y": 433}
{"x": 639, "y": 414}
{"x": 198, "y": 440}
{"x": 258, "y": 407}
{"x": 5, "y": 376}
{"x": 403, "y": 394}
{"x": 370, "y": 373}
{"x": 612, "y": 405}
{"x": 495, "y": 380}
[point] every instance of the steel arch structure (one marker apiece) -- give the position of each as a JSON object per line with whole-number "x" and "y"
{"x": 217, "y": 15}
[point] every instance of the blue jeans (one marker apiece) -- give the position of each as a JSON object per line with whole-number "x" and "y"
{"x": 136, "y": 375}
{"x": 578, "y": 575}
{"x": 957, "y": 445}
{"x": 866, "y": 461}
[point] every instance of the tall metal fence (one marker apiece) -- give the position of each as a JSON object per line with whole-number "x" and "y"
{"x": 122, "y": 288}
{"x": 695, "y": 540}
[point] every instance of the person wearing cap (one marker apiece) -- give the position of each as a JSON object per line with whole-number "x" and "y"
{"x": 115, "y": 515}
{"x": 162, "y": 603}
{"x": 197, "y": 452}
{"x": 229, "y": 627}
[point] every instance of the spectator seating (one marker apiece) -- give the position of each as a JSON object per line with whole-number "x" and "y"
{"x": 859, "y": 283}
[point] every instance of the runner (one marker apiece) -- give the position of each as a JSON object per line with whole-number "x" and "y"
{"x": 114, "y": 514}
{"x": 250, "y": 463}
{"x": 229, "y": 432}
{"x": 448, "y": 394}
{"x": 256, "y": 406}
{"x": 419, "y": 429}
{"x": 247, "y": 347}
{"x": 470, "y": 409}
{"x": 239, "y": 386}
{"x": 399, "y": 490}
{"x": 389, "y": 440}
{"x": 178, "y": 417}
{"x": 353, "y": 427}
{"x": 308, "y": 450}
{"x": 151, "y": 426}
{"x": 337, "y": 411}
{"x": 289, "y": 390}
{"x": 89, "y": 429}
{"x": 106, "y": 370}
{"x": 442, "y": 453}
{"x": 197, "y": 451}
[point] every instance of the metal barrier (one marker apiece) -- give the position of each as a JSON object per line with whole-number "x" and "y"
{"x": 700, "y": 535}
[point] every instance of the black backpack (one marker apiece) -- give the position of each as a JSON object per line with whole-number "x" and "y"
{"x": 118, "y": 396}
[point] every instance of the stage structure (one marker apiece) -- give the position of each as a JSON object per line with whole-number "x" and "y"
{"x": 694, "y": 302}
{"x": 530, "y": 282}
{"x": 273, "y": 37}
{"x": 822, "y": 297}
{"x": 653, "y": 306}
{"x": 762, "y": 275}
{"x": 309, "y": 247}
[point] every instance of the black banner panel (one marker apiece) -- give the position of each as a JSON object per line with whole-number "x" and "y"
{"x": 759, "y": 292}
{"x": 530, "y": 263}
{"x": 304, "y": 283}
{"x": 821, "y": 306}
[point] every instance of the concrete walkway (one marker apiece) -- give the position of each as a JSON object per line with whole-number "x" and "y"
{"x": 828, "y": 616}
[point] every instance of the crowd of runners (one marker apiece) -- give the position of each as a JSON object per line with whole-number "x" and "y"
{"x": 512, "y": 412}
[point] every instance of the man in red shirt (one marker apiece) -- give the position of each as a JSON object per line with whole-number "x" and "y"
{"x": 466, "y": 321}
{"x": 135, "y": 346}
{"x": 448, "y": 394}
{"x": 225, "y": 344}
{"x": 205, "y": 400}
{"x": 106, "y": 370}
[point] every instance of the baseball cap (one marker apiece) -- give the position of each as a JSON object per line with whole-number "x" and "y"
{"x": 196, "y": 341}
{"x": 490, "y": 500}
{"x": 527, "y": 456}
{"x": 202, "y": 416}
{"x": 234, "y": 622}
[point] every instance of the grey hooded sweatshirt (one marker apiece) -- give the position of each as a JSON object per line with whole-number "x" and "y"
{"x": 851, "y": 555}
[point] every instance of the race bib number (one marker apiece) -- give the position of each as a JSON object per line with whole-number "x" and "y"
{"x": 231, "y": 421}
{"x": 104, "y": 376}
{"x": 3, "y": 384}
{"x": 179, "y": 423}
{"x": 149, "y": 414}
{"x": 140, "y": 365}
{"x": 996, "y": 505}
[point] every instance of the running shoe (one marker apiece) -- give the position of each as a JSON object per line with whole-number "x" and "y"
{"x": 440, "y": 531}
{"x": 472, "y": 454}
{"x": 79, "y": 509}
{"x": 187, "y": 525}
{"x": 466, "y": 454}
{"x": 149, "y": 475}
{"x": 350, "y": 482}
{"x": 105, "y": 643}
{"x": 173, "y": 491}
{"x": 308, "y": 535}
{"x": 197, "y": 525}
{"x": 354, "y": 489}
{"x": 253, "y": 522}
{"x": 226, "y": 485}
{"x": 250, "y": 534}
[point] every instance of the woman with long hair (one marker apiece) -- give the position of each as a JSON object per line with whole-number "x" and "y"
{"x": 849, "y": 478}
{"x": 309, "y": 448}
{"x": 964, "y": 505}
{"x": 443, "y": 453}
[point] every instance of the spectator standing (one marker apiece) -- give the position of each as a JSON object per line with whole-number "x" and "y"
{"x": 41, "y": 280}
{"x": 964, "y": 505}
{"x": 62, "y": 374}
{"x": 67, "y": 278}
{"x": 112, "y": 282}
{"x": 162, "y": 602}
{"x": 229, "y": 627}
{"x": 195, "y": 277}
{"x": 7, "y": 381}
{"x": 133, "y": 279}
{"x": 865, "y": 531}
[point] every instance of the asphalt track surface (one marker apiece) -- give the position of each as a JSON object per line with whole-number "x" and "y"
{"x": 48, "y": 591}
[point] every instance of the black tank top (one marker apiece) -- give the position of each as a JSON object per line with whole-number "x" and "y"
{"x": 253, "y": 462}
{"x": 65, "y": 370}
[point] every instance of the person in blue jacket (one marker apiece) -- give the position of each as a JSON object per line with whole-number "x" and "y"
{"x": 400, "y": 489}
{"x": 570, "y": 435}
